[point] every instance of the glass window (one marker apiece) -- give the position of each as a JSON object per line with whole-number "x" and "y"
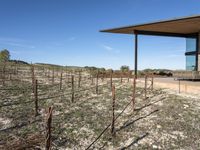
{"x": 190, "y": 62}
{"x": 190, "y": 44}
{"x": 191, "y": 59}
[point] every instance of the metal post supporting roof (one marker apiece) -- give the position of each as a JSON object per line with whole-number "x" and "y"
{"x": 136, "y": 53}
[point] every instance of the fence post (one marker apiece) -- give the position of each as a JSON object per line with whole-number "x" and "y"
{"x": 66, "y": 74}
{"x": 179, "y": 86}
{"x": 128, "y": 76}
{"x": 134, "y": 91}
{"x": 72, "y": 98}
{"x": 97, "y": 78}
{"x": 44, "y": 71}
{"x": 36, "y": 97}
{"x": 102, "y": 76}
{"x": 91, "y": 76}
{"x": 53, "y": 76}
{"x": 145, "y": 87}
{"x": 111, "y": 79}
{"x": 79, "y": 79}
{"x": 33, "y": 77}
{"x": 121, "y": 77}
{"x": 48, "y": 129}
{"x": 152, "y": 78}
{"x": 15, "y": 70}
{"x": 48, "y": 73}
{"x": 113, "y": 112}
{"x": 4, "y": 73}
{"x": 68, "y": 78}
{"x": 61, "y": 81}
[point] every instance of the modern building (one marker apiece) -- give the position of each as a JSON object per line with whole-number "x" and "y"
{"x": 187, "y": 27}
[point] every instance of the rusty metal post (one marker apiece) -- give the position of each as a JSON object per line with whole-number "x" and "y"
{"x": 72, "y": 80}
{"x": 61, "y": 81}
{"x": 57, "y": 73}
{"x": 48, "y": 129}
{"x": 121, "y": 77}
{"x": 4, "y": 74}
{"x": 113, "y": 112}
{"x": 15, "y": 70}
{"x": 48, "y": 73}
{"x": 53, "y": 76}
{"x": 111, "y": 81}
{"x": 136, "y": 53}
{"x": 67, "y": 77}
{"x": 33, "y": 77}
{"x": 97, "y": 78}
{"x": 152, "y": 78}
{"x": 36, "y": 97}
{"x": 134, "y": 92}
{"x": 79, "y": 79}
{"x": 44, "y": 71}
{"x": 102, "y": 77}
{"x": 128, "y": 76}
{"x": 92, "y": 79}
{"x": 145, "y": 87}
{"x": 179, "y": 86}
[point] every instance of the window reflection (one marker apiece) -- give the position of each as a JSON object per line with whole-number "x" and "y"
{"x": 190, "y": 44}
{"x": 191, "y": 58}
{"x": 190, "y": 63}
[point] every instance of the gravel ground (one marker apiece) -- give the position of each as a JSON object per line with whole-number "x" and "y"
{"x": 164, "y": 120}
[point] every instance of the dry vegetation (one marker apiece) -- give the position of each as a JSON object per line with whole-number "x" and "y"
{"x": 162, "y": 121}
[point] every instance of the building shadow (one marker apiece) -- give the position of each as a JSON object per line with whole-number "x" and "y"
{"x": 147, "y": 105}
{"x": 135, "y": 141}
{"x": 127, "y": 124}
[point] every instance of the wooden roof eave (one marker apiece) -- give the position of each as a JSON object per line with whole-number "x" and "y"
{"x": 182, "y": 27}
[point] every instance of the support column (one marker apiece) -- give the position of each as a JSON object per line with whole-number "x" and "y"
{"x": 136, "y": 52}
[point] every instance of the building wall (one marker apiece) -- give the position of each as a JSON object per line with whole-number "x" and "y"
{"x": 199, "y": 54}
{"x": 199, "y": 63}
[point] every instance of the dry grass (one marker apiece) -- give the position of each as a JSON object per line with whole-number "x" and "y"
{"x": 163, "y": 121}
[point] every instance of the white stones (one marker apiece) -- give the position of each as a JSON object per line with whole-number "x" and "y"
{"x": 155, "y": 147}
{"x": 179, "y": 133}
{"x": 5, "y": 122}
{"x": 159, "y": 126}
{"x": 185, "y": 106}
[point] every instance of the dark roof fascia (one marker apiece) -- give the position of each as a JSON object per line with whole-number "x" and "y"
{"x": 155, "y": 33}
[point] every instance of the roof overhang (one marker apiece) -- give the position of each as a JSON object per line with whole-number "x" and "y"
{"x": 178, "y": 27}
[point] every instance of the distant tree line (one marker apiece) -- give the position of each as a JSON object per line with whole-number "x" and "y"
{"x": 160, "y": 72}
{"x": 4, "y": 55}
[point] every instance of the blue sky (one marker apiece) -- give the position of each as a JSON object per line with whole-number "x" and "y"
{"x": 66, "y": 32}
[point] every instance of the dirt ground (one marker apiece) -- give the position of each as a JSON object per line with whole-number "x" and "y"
{"x": 191, "y": 88}
{"x": 165, "y": 120}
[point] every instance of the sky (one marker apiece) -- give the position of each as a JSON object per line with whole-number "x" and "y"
{"x": 66, "y": 32}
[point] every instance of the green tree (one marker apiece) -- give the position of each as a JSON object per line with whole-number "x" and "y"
{"x": 124, "y": 68}
{"x": 4, "y": 55}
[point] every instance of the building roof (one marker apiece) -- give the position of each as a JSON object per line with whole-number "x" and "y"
{"x": 184, "y": 26}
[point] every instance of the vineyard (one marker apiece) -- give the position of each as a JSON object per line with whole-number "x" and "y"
{"x": 59, "y": 108}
